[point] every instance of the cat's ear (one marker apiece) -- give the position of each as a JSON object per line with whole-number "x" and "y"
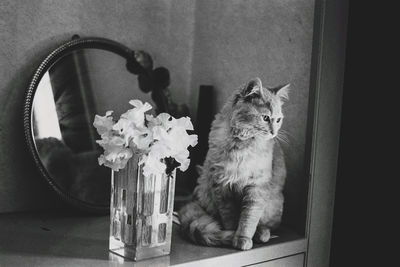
{"x": 254, "y": 86}
{"x": 282, "y": 91}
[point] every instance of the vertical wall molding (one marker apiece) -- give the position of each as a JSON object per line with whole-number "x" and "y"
{"x": 327, "y": 83}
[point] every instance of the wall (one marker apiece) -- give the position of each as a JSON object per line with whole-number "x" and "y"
{"x": 111, "y": 82}
{"x": 236, "y": 41}
{"x": 29, "y": 30}
{"x": 222, "y": 43}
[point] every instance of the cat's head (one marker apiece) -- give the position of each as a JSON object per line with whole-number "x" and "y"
{"x": 257, "y": 111}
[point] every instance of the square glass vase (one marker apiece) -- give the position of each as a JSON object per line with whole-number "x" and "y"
{"x": 141, "y": 212}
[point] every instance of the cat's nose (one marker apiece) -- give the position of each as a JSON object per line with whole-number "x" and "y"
{"x": 272, "y": 132}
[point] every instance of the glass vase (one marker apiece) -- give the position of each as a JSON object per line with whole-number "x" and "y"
{"x": 141, "y": 212}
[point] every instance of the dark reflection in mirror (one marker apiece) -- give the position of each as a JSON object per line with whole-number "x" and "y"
{"x": 78, "y": 86}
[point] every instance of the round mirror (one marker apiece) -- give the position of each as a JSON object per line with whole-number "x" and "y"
{"x": 82, "y": 78}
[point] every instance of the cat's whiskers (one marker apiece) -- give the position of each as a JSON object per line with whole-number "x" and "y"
{"x": 285, "y": 138}
{"x": 280, "y": 140}
{"x": 281, "y": 136}
{"x": 286, "y": 133}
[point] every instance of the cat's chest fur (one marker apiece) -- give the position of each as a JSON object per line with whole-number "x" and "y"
{"x": 249, "y": 164}
{"x": 243, "y": 162}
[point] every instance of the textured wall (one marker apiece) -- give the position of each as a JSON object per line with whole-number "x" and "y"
{"x": 29, "y": 30}
{"x": 222, "y": 43}
{"x": 111, "y": 82}
{"x": 235, "y": 41}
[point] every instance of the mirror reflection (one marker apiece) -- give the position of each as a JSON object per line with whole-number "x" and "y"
{"x": 78, "y": 86}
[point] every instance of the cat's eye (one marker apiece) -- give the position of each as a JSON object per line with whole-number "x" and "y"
{"x": 266, "y": 118}
{"x": 278, "y": 120}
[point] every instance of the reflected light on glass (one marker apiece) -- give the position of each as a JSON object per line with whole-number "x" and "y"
{"x": 44, "y": 110}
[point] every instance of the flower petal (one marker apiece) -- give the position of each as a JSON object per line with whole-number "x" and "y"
{"x": 152, "y": 166}
{"x": 103, "y": 124}
{"x": 183, "y": 122}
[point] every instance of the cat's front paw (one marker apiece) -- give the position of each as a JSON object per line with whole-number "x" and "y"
{"x": 242, "y": 243}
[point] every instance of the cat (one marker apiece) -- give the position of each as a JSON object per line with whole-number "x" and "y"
{"x": 239, "y": 195}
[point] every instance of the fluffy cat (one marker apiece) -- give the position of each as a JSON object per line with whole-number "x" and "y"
{"x": 239, "y": 193}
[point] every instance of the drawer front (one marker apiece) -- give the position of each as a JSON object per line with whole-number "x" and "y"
{"x": 291, "y": 261}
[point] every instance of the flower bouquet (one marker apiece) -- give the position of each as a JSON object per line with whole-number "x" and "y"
{"x": 143, "y": 152}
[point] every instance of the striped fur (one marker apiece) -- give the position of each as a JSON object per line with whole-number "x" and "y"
{"x": 239, "y": 193}
{"x": 202, "y": 228}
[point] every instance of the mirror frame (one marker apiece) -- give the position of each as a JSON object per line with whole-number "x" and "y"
{"x": 75, "y": 44}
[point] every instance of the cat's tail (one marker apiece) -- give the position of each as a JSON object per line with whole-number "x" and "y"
{"x": 202, "y": 228}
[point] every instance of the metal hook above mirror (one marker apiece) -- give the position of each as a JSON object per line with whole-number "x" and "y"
{"x": 81, "y": 78}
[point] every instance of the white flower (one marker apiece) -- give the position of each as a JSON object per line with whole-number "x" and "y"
{"x": 179, "y": 140}
{"x": 154, "y": 138}
{"x": 118, "y": 163}
{"x": 103, "y": 124}
{"x": 142, "y": 137}
{"x": 124, "y": 129}
{"x": 183, "y": 122}
{"x": 152, "y": 165}
{"x": 183, "y": 159}
{"x": 136, "y": 115}
{"x": 163, "y": 120}
{"x": 131, "y": 124}
{"x": 174, "y": 143}
{"x": 116, "y": 155}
